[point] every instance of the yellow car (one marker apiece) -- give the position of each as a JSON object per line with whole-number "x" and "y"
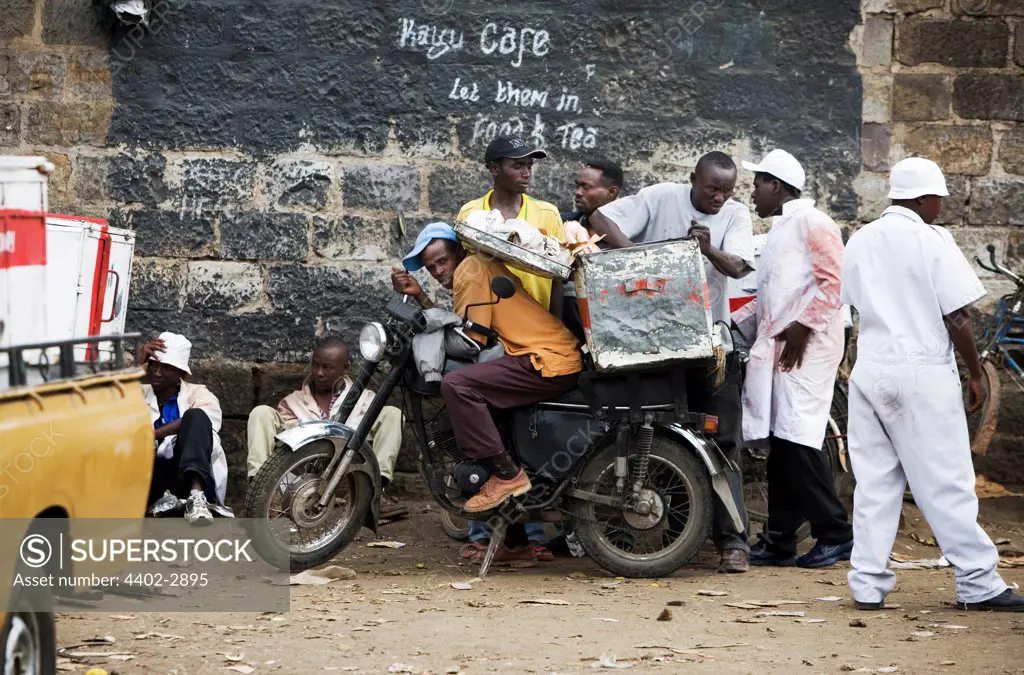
{"x": 77, "y": 447}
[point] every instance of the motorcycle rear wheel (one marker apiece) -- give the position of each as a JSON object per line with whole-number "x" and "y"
{"x": 609, "y": 537}
{"x": 352, "y": 501}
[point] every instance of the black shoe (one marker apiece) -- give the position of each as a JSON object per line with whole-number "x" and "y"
{"x": 825, "y": 555}
{"x": 1006, "y": 601}
{"x": 869, "y": 606}
{"x": 763, "y": 556}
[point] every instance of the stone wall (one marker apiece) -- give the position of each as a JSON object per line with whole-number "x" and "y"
{"x": 944, "y": 79}
{"x": 263, "y": 151}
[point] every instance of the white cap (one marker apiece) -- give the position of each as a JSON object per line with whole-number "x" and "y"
{"x": 916, "y": 177}
{"x": 177, "y": 353}
{"x": 782, "y": 165}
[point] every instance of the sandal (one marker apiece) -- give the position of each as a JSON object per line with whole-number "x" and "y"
{"x": 472, "y": 551}
{"x": 541, "y": 553}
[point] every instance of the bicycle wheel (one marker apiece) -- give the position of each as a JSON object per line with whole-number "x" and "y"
{"x": 981, "y": 424}
{"x": 755, "y": 492}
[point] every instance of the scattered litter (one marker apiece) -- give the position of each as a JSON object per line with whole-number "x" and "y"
{"x": 399, "y": 668}
{"x": 947, "y": 663}
{"x": 1001, "y": 542}
{"x": 601, "y": 618}
{"x": 122, "y": 617}
{"x": 666, "y": 615}
{"x": 320, "y": 577}
{"x": 543, "y": 601}
{"x": 146, "y": 636}
{"x": 858, "y": 623}
{"x": 105, "y": 640}
{"x": 484, "y": 603}
{"x": 464, "y": 585}
{"x": 714, "y": 594}
{"x": 749, "y": 620}
{"x": 91, "y": 671}
{"x": 610, "y": 662}
{"x": 830, "y": 598}
{"x": 887, "y": 669}
{"x": 233, "y": 658}
{"x": 923, "y": 634}
{"x": 1015, "y": 561}
{"x": 244, "y": 669}
{"x": 930, "y": 541}
{"x": 829, "y": 582}
{"x": 812, "y": 620}
{"x": 951, "y": 626}
{"x": 987, "y": 489}
{"x": 676, "y": 603}
{"x": 742, "y": 605}
{"x": 609, "y": 586}
{"x": 781, "y": 614}
{"x": 899, "y": 562}
{"x": 385, "y": 544}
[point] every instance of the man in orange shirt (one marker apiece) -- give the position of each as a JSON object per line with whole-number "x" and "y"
{"x": 542, "y": 359}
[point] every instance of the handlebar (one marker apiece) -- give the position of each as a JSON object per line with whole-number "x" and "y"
{"x": 996, "y": 267}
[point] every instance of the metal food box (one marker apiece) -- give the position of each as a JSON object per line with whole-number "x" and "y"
{"x": 512, "y": 254}
{"x": 644, "y": 306}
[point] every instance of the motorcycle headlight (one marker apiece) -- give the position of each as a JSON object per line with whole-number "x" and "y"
{"x": 372, "y": 341}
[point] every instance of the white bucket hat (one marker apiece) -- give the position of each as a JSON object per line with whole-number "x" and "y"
{"x": 782, "y": 165}
{"x": 916, "y": 177}
{"x": 177, "y": 353}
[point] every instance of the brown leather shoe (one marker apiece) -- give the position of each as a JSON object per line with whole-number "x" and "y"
{"x": 734, "y": 561}
{"x": 495, "y": 491}
{"x": 391, "y": 508}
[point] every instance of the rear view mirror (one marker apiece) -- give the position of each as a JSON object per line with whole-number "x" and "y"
{"x": 503, "y": 287}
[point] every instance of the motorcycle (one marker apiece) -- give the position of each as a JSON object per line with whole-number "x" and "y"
{"x": 622, "y": 458}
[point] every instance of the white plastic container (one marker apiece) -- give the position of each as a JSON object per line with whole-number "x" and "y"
{"x": 23, "y": 203}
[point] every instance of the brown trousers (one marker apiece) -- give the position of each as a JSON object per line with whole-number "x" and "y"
{"x": 509, "y": 382}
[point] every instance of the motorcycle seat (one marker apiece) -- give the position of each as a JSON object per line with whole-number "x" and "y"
{"x": 613, "y": 391}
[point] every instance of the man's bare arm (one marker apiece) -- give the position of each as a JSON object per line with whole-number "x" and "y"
{"x": 961, "y": 332}
{"x": 601, "y": 224}
{"x": 728, "y": 264}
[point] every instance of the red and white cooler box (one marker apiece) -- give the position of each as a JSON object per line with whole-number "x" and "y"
{"x": 61, "y": 277}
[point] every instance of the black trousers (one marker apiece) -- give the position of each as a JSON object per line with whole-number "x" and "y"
{"x": 801, "y": 487}
{"x": 193, "y": 450}
{"x": 727, "y": 405}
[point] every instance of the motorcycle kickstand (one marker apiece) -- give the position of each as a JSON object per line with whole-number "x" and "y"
{"x": 498, "y": 531}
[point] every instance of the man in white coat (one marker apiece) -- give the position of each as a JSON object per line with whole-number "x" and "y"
{"x": 912, "y": 287}
{"x": 190, "y": 462}
{"x": 797, "y": 334}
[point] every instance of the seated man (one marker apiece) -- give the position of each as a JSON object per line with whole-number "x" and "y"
{"x": 542, "y": 357}
{"x": 321, "y": 396}
{"x": 189, "y": 463}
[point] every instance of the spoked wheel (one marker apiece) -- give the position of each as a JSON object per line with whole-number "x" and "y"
{"x": 455, "y": 527}
{"x": 657, "y": 543}
{"x": 29, "y": 639}
{"x": 288, "y": 523}
{"x": 981, "y": 424}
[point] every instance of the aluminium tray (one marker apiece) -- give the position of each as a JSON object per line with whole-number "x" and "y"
{"x": 511, "y": 254}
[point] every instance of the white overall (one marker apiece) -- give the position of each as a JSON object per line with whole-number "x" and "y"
{"x": 907, "y": 421}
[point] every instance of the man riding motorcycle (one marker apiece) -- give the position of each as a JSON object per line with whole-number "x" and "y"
{"x": 541, "y": 361}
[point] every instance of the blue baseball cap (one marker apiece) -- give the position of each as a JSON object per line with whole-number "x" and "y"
{"x": 412, "y": 262}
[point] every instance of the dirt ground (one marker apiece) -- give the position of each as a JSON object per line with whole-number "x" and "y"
{"x": 402, "y": 615}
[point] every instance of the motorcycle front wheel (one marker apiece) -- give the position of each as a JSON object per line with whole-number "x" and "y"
{"x": 654, "y": 545}
{"x": 286, "y": 522}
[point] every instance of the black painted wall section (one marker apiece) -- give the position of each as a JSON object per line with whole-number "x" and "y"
{"x": 651, "y": 78}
